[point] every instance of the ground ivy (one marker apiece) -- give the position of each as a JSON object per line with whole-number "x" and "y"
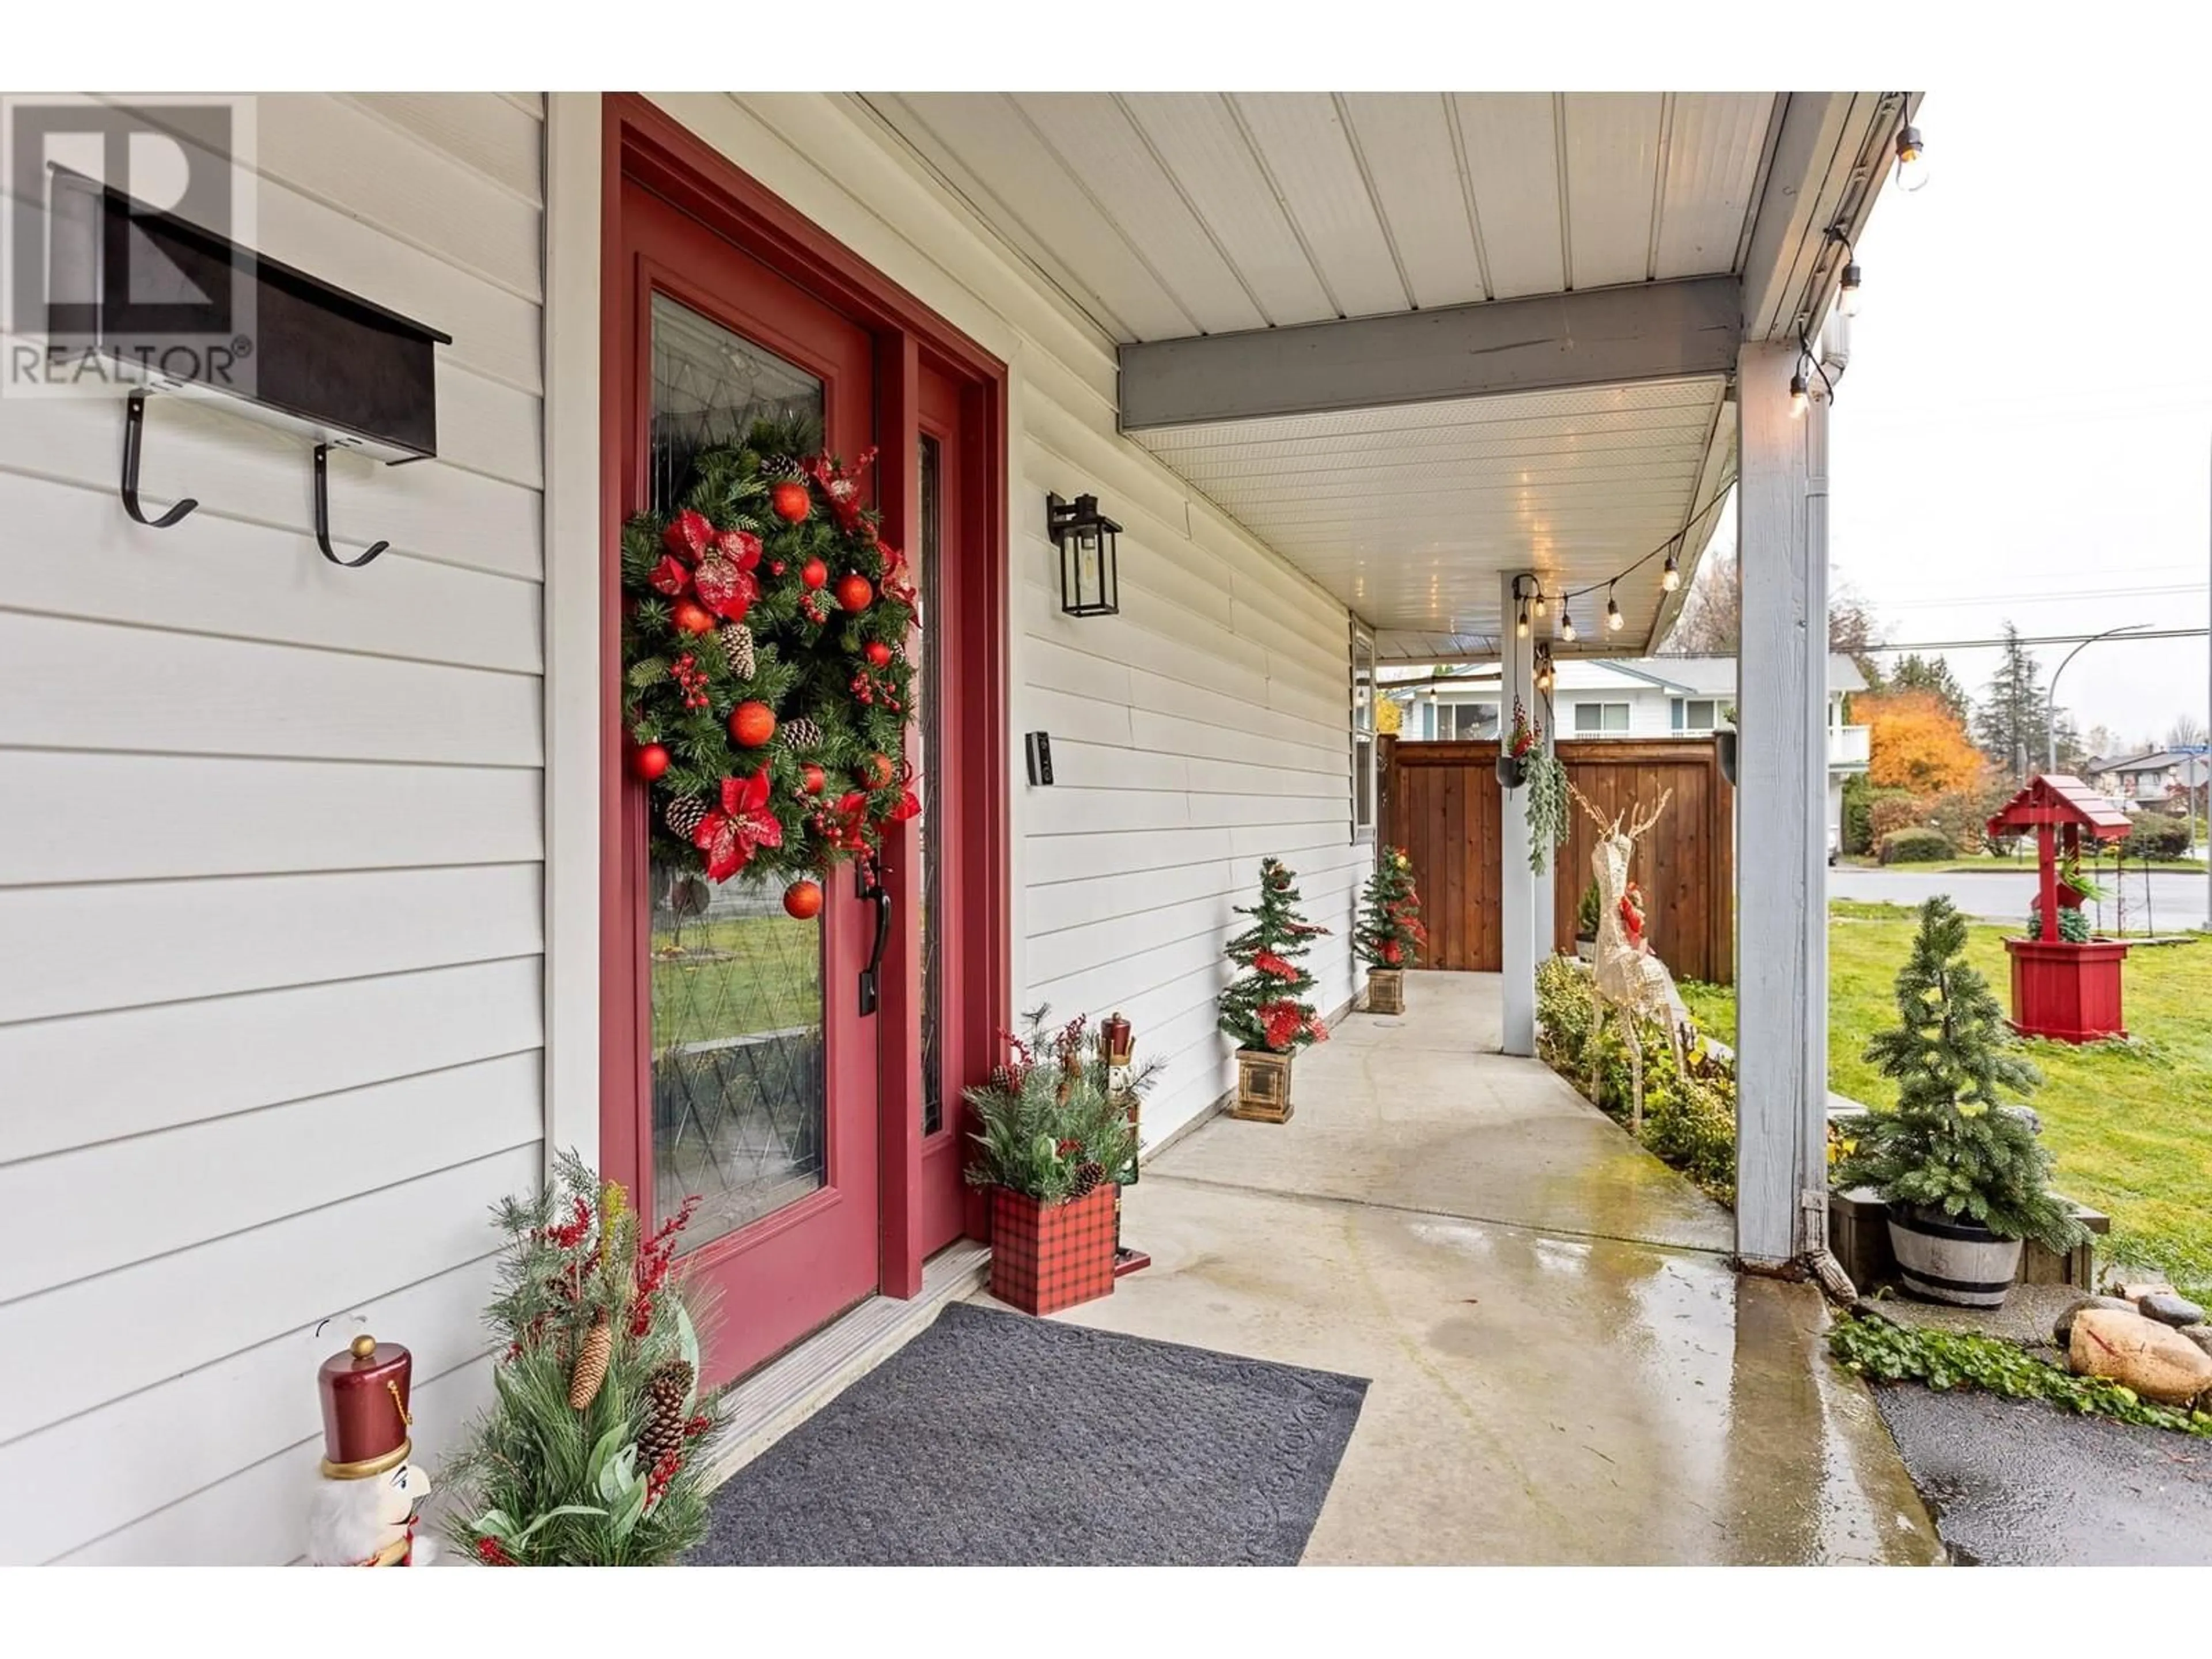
{"x": 1883, "y": 1352}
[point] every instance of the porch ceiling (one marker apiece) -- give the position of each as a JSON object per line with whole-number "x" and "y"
{"x": 1413, "y": 340}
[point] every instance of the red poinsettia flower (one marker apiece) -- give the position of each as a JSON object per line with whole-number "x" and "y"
{"x": 1316, "y": 1030}
{"x": 740, "y": 547}
{"x": 909, "y": 807}
{"x": 689, "y": 536}
{"x": 845, "y": 820}
{"x": 1391, "y": 953}
{"x": 670, "y": 576}
{"x": 1281, "y": 1022}
{"x": 726, "y": 588}
{"x": 728, "y": 837}
{"x": 1268, "y": 962}
{"x": 897, "y": 582}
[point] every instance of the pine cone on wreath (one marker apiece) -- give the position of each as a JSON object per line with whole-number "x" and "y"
{"x": 1087, "y": 1177}
{"x": 799, "y": 735}
{"x": 668, "y": 1388}
{"x": 592, "y": 1359}
{"x": 781, "y": 469}
{"x": 736, "y": 642}
{"x": 684, "y": 816}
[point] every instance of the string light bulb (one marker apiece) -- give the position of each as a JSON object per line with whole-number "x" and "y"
{"x": 1851, "y": 290}
{"x": 1521, "y": 626}
{"x": 1567, "y": 625}
{"x": 1911, "y": 160}
{"x": 1540, "y": 604}
{"x": 1614, "y": 621}
{"x": 1671, "y": 577}
{"x": 1800, "y": 395}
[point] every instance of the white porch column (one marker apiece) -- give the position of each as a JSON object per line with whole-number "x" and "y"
{"x": 1782, "y": 956}
{"x": 1517, "y": 900}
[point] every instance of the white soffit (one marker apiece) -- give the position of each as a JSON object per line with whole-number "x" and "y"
{"x": 1407, "y": 514}
{"x": 1165, "y": 214}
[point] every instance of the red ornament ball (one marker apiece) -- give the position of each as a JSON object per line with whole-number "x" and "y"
{"x": 693, "y": 617}
{"x": 877, "y": 772}
{"x": 803, "y": 899}
{"x": 789, "y": 502}
{"x": 879, "y": 654}
{"x": 753, "y": 724}
{"x": 814, "y": 573}
{"x": 812, "y": 779}
{"x": 855, "y": 592}
{"x": 650, "y": 762}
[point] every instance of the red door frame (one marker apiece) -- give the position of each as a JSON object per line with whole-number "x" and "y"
{"x": 644, "y": 143}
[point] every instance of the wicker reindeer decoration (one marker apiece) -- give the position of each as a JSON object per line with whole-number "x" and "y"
{"x": 1630, "y": 979}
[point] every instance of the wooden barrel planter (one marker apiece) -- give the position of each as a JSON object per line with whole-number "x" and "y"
{"x": 1945, "y": 1261}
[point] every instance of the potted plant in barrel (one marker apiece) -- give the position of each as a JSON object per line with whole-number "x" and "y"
{"x": 1966, "y": 1180}
{"x": 1264, "y": 1007}
{"x": 1586, "y": 915}
{"x": 1052, "y": 1137}
{"x": 1520, "y": 743}
{"x": 1390, "y": 935}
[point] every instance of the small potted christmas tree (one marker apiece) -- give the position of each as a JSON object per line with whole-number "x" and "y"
{"x": 1390, "y": 935}
{"x": 1586, "y": 913}
{"x": 1054, "y": 1137}
{"x": 1264, "y": 1007}
{"x": 1966, "y": 1179}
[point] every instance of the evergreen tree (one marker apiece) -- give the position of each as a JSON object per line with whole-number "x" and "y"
{"x": 1390, "y": 933}
{"x": 1948, "y": 1148}
{"x": 2012, "y": 724}
{"x": 1915, "y": 672}
{"x": 1265, "y": 1006}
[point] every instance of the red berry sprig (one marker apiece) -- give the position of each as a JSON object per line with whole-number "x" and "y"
{"x": 686, "y": 672}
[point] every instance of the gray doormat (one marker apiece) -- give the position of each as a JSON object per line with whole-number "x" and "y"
{"x": 993, "y": 1439}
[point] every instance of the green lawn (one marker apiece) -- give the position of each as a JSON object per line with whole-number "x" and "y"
{"x": 2130, "y": 1123}
{"x": 2020, "y": 862}
{"x": 738, "y": 976}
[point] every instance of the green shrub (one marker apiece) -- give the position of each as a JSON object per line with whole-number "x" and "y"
{"x": 1916, "y": 847}
{"x": 1860, "y": 799}
{"x": 1586, "y": 913}
{"x": 2073, "y": 925}
{"x": 1892, "y": 809}
{"x": 2156, "y": 836}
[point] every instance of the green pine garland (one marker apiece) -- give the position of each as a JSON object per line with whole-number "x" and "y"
{"x": 1945, "y": 1148}
{"x": 811, "y": 657}
{"x": 1265, "y": 1006}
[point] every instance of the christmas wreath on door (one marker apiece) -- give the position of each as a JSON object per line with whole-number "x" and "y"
{"x": 767, "y": 686}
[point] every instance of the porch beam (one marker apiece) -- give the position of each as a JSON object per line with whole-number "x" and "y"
{"x": 1782, "y": 974}
{"x": 1517, "y": 887}
{"x": 1600, "y": 336}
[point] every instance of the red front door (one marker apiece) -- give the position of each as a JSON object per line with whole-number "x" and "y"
{"x": 739, "y": 1066}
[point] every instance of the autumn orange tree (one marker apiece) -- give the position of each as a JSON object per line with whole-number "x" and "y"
{"x": 1915, "y": 742}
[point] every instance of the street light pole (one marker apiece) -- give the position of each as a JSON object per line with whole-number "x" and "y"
{"x": 2050, "y": 695}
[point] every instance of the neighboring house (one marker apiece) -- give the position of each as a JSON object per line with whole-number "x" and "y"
{"x": 325, "y": 890}
{"x": 2159, "y": 780}
{"x": 1630, "y": 697}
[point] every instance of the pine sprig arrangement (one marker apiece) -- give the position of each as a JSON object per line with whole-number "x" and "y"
{"x": 1390, "y": 933}
{"x": 1265, "y": 1006}
{"x": 1049, "y": 1127}
{"x": 1947, "y": 1148}
{"x": 542, "y": 1482}
{"x": 830, "y": 609}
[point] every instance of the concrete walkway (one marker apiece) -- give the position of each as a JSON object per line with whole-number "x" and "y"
{"x": 1566, "y": 1370}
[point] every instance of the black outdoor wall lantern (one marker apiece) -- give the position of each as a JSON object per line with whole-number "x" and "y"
{"x": 163, "y": 305}
{"x": 1090, "y": 584}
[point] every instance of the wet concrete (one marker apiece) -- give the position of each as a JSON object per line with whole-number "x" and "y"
{"x": 2021, "y": 1483}
{"x": 1565, "y": 1370}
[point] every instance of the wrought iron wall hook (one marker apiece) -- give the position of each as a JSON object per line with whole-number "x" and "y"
{"x": 323, "y": 515}
{"x": 134, "y": 427}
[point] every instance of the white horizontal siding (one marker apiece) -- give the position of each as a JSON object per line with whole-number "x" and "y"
{"x": 271, "y": 876}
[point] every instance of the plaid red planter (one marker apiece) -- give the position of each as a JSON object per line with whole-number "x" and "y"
{"x": 1045, "y": 1257}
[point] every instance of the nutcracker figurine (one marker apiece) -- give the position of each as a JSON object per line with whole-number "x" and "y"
{"x": 365, "y": 1510}
{"x": 1115, "y": 1037}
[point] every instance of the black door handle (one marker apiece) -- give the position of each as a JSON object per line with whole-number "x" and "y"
{"x": 872, "y": 890}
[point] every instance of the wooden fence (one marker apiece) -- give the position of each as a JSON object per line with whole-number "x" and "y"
{"x": 1441, "y": 803}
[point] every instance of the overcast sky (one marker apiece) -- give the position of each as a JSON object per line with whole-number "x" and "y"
{"x": 2025, "y": 429}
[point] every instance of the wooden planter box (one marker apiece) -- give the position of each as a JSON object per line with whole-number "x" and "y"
{"x": 1858, "y": 1238}
{"x": 1045, "y": 1257}
{"x": 1263, "y": 1086}
{"x": 2069, "y": 992}
{"x": 1386, "y": 991}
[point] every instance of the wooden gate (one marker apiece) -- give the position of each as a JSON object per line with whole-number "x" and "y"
{"x": 1445, "y": 808}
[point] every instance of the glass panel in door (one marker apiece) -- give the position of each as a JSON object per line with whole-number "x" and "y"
{"x": 739, "y": 1103}
{"x": 926, "y": 740}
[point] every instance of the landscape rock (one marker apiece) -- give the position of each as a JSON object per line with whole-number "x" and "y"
{"x": 2201, "y": 1335}
{"x": 2155, "y": 1360}
{"x": 2062, "y": 1330}
{"x": 2169, "y": 1308}
{"x": 2027, "y": 1115}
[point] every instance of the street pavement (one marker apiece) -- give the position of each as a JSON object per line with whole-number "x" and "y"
{"x": 2168, "y": 901}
